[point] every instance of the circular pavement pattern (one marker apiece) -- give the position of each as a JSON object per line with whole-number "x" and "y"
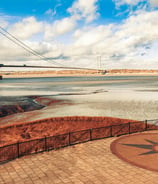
{"x": 138, "y": 149}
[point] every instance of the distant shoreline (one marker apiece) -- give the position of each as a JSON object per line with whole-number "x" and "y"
{"x": 39, "y": 75}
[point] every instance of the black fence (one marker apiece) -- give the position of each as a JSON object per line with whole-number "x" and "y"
{"x": 10, "y": 152}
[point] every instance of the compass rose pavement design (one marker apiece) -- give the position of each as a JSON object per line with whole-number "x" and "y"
{"x": 138, "y": 149}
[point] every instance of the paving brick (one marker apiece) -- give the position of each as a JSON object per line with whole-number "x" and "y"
{"x": 88, "y": 163}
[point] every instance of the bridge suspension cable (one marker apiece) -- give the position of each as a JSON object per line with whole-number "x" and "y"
{"x": 18, "y": 42}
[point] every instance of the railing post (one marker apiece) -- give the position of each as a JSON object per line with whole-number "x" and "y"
{"x": 45, "y": 143}
{"x": 90, "y": 134}
{"x": 111, "y": 131}
{"x": 18, "y": 149}
{"x": 129, "y": 127}
{"x": 69, "y": 139}
{"x": 146, "y": 125}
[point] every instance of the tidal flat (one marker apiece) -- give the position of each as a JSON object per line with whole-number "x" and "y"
{"x": 129, "y": 97}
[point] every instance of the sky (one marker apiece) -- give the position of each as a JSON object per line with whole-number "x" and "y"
{"x": 104, "y": 34}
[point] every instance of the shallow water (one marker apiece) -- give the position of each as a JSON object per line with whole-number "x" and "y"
{"x": 55, "y": 85}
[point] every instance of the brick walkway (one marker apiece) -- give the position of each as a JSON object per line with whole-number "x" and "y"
{"x": 88, "y": 163}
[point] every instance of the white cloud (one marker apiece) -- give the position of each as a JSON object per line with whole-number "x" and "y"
{"x": 59, "y": 27}
{"x": 91, "y": 35}
{"x": 119, "y": 3}
{"x": 119, "y": 45}
{"x": 82, "y": 9}
{"x": 154, "y": 3}
{"x": 141, "y": 28}
{"x": 52, "y": 12}
{"x": 79, "y": 10}
{"x": 12, "y": 53}
{"x": 128, "y": 2}
{"x": 26, "y": 28}
{"x": 3, "y": 23}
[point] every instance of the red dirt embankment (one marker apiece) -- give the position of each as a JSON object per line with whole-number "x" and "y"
{"x": 53, "y": 126}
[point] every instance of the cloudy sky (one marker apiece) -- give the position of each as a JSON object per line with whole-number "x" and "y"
{"x": 81, "y": 33}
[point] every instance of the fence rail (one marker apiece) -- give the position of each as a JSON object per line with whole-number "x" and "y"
{"x": 13, "y": 151}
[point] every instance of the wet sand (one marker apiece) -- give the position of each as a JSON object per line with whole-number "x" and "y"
{"x": 133, "y": 98}
{"x": 135, "y": 105}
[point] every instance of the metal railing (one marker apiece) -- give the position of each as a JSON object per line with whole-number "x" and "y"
{"x": 13, "y": 151}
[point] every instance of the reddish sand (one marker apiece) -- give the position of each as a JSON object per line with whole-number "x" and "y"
{"x": 49, "y": 101}
{"x": 53, "y": 126}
